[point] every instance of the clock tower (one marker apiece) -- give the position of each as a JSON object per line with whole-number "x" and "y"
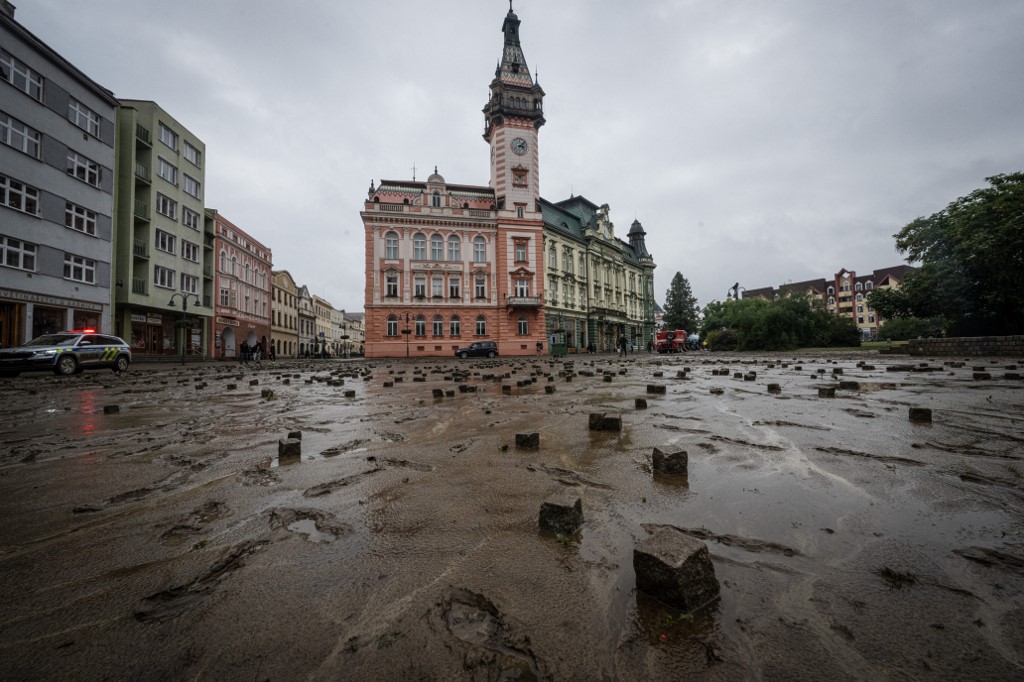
{"x": 512, "y": 117}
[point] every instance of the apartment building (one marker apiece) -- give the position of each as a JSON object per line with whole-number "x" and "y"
{"x": 57, "y": 159}
{"x": 242, "y": 281}
{"x": 164, "y": 256}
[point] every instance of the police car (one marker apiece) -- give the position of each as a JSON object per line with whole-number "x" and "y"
{"x": 66, "y": 353}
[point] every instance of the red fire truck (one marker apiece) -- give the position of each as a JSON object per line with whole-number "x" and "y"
{"x": 670, "y": 341}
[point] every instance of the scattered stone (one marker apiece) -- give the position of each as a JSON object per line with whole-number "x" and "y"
{"x": 717, "y": 391}
{"x": 655, "y": 389}
{"x": 670, "y": 460}
{"x": 289, "y": 451}
{"x": 676, "y": 569}
{"x": 607, "y": 378}
{"x": 506, "y": 389}
{"x": 350, "y": 394}
{"x": 528, "y": 440}
{"x": 111, "y": 409}
{"x": 827, "y": 392}
{"x": 438, "y": 392}
{"x": 612, "y": 423}
{"x": 596, "y": 420}
{"x": 231, "y": 387}
{"x": 641, "y": 403}
{"x": 549, "y": 389}
{"x": 561, "y": 514}
{"x": 921, "y": 415}
{"x": 849, "y": 385}
{"x": 254, "y": 382}
{"x": 297, "y": 435}
{"x": 267, "y": 394}
{"x": 774, "y": 388}
{"x": 982, "y": 376}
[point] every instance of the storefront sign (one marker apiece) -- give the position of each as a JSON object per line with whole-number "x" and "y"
{"x": 49, "y": 300}
{"x": 138, "y": 318}
{"x": 155, "y": 320}
{"x": 228, "y": 321}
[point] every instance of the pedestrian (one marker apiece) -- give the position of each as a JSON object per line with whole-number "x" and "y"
{"x": 623, "y": 345}
{"x": 273, "y": 351}
{"x": 243, "y": 351}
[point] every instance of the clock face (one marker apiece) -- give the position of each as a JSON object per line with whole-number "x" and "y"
{"x": 519, "y": 146}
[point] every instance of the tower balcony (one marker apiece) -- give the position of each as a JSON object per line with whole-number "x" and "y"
{"x": 523, "y": 302}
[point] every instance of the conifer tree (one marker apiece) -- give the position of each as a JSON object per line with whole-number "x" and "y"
{"x": 680, "y": 305}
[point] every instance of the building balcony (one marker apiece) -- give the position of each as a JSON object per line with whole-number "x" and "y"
{"x": 142, "y": 173}
{"x": 141, "y": 210}
{"x": 139, "y": 286}
{"x": 140, "y": 249}
{"x": 208, "y": 271}
{"x": 142, "y": 135}
{"x": 523, "y": 301}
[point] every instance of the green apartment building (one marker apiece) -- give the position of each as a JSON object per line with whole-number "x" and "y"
{"x": 163, "y": 257}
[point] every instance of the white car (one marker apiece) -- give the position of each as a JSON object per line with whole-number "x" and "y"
{"x": 65, "y": 353}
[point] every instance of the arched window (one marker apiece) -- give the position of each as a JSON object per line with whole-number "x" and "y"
{"x": 436, "y": 247}
{"x": 421, "y": 326}
{"x": 392, "y": 327}
{"x": 831, "y": 299}
{"x": 868, "y": 286}
{"x": 391, "y": 245}
{"x": 831, "y": 290}
{"x": 481, "y": 325}
{"x": 860, "y": 297}
{"x": 223, "y": 261}
{"x": 436, "y": 200}
{"x": 438, "y": 325}
{"x": 419, "y": 246}
{"x": 234, "y": 266}
{"x": 479, "y": 250}
{"x": 455, "y": 328}
{"x": 454, "y": 248}
{"x": 858, "y": 286}
{"x": 248, "y": 274}
{"x": 524, "y": 326}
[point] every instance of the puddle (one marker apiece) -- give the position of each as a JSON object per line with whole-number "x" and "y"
{"x": 308, "y": 529}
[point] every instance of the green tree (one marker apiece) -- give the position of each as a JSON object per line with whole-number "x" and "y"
{"x": 757, "y": 324}
{"x": 680, "y": 305}
{"x": 972, "y": 263}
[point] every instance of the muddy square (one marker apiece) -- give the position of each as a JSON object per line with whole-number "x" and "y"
{"x": 152, "y": 531}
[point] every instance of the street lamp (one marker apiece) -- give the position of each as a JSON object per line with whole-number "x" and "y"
{"x": 407, "y": 331}
{"x": 184, "y": 313}
{"x": 344, "y": 340}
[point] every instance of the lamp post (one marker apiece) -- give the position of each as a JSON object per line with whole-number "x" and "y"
{"x": 344, "y": 340}
{"x": 184, "y": 313}
{"x": 407, "y": 331}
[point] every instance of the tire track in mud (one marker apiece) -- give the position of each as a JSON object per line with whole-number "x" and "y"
{"x": 175, "y": 601}
{"x": 887, "y": 459}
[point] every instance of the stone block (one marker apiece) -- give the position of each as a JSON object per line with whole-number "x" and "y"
{"x": 827, "y": 392}
{"x": 670, "y": 460}
{"x": 289, "y": 451}
{"x": 528, "y": 440}
{"x": 561, "y": 514}
{"x": 641, "y": 403}
{"x": 717, "y": 391}
{"x": 549, "y": 389}
{"x": 675, "y": 569}
{"x": 111, "y": 409}
{"x": 655, "y": 389}
{"x": 607, "y": 379}
{"x": 849, "y": 385}
{"x": 297, "y": 435}
{"x": 774, "y": 388}
{"x": 982, "y": 376}
{"x": 596, "y": 420}
{"x": 612, "y": 422}
{"x": 506, "y": 389}
{"x": 254, "y": 382}
{"x": 438, "y": 392}
{"x": 920, "y": 415}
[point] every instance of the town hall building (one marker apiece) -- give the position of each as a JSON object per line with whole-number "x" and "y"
{"x": 449, "y": 264}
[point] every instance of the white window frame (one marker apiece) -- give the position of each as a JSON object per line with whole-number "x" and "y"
{"x": 190, "y": 251}
{"x": 455, "y": 326}
{"x": 479, "y": 250}
{"x": 167, "y": 136}
{"x": 167, "y": 170}
{"x": 522, "y": 287}
{"x": 22, "y": 77}
{"x": 164, "y": 277}
{"x": 79, "y": 269}
{"x": 480, "y": 287}
{"x": 166, "y": 206}
{"x": 79, "y": 218}
{"x": 392, "y": 326}
{"x": 436, "y": 247}
{"x": 16, "y": 253}
{"x": 391, "y": 246}
{"x": 420, "y": 326}
{"x": 391, "y": 285}
{"x": 438, "y": 326}
{"x": 191, "y": 186}
{"x": 83, "y": 117}
{"x": 523, "y": 326}
{"x": 83, "y": 168}
{"x": 481, "y": 326}
{"x": 189, "y": 284}
{"x": 19, "y": 196}
{"x": 189, "y": 218}
{"x": 419, "y": 246}
{"x": 165, "y": 241}
{"x": 553, "y": 258}
{"x": 437, "y": 286}
{"x": 455, "y": 288}
{"x": 520, "y": 252}
{"x": 192, "y": 155}
{"x": 419, "y": 286}
{"x": 454, "y": 248}
{"x": 20, "y": 136}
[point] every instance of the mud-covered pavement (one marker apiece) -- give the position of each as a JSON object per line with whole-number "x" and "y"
{"x": 162, "y": 540}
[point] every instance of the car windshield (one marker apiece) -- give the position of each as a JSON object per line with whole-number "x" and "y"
{"x": 54, "y": 340}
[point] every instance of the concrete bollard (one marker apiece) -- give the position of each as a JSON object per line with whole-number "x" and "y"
{"x": 774, "y": 388}
{"x": 670, "y": 460}
{"x": 675, "y": 569}
{"x": 289, "y": 451}
{"x": 827, "y": 392}
{"x": 111, "y": 409}
{"x": 641, "y": 403}
{"x": 655, "y": 389}
{"x": 528, "y": 440}
{"x": 561, "y": 514}
{"x": 920, "y": 415}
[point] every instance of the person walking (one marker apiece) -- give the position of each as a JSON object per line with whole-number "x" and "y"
{"x": 623, "y": 345}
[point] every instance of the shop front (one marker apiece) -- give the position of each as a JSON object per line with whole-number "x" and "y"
{"x": 24, "y": 316}
{"x": 156, "y": 333}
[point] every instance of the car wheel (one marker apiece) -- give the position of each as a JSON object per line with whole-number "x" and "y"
{"x": 66, "y": 365}
{"x": 463, "y": 355}
{"x": 121, "y": 364}
{"x": 490, "y": 354}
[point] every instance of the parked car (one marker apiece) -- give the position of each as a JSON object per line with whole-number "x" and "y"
{"x": 478, "y": 349}
{"x": 66, "y": 353}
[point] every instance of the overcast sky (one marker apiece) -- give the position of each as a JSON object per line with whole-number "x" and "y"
{"x": 757, "y": 141}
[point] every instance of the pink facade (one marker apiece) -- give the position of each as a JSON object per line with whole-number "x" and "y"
{"x": 450, "y": 264}
{"x": 242, "y": 289}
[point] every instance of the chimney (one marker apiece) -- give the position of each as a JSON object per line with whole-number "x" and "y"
{"x": 7, "y": 8}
